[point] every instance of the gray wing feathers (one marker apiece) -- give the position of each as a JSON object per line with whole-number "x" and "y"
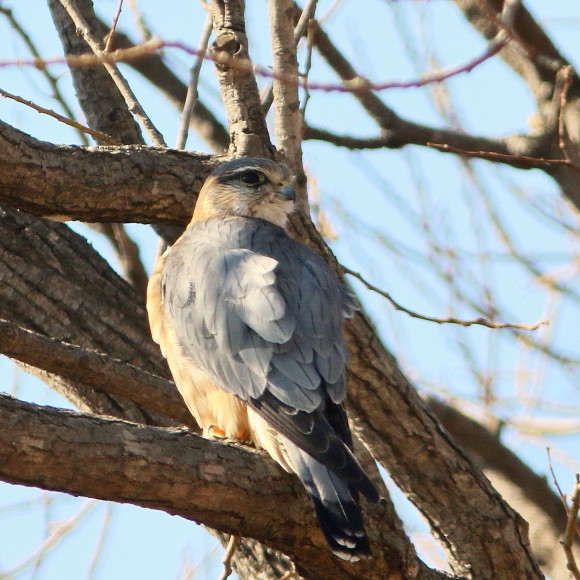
{"x": 258, "y": 311}
{"x": 249, "y": 288}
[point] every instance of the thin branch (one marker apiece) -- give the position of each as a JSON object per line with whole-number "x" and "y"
{"x": 312, "y": 25}
{"x": 450, "y": 320}
{"x": 70, "y": 122}
{"x": 156, "y": 71}
{"x": 287, "y": 119}
{"x": 128, "y": 255}
{"x": 572, "y": 530}
{"x": 555, "y": 479}
{"x": 233, "y": 543}
{"x": 120, "y": 82}
{"x": 111, "y": 36}
{"x": 512, "y": 159}
{"x": 566, "y": 77}
{"x": 354, "y": 85}
{"x": 97, "y": 556}
{"x": 301, "y": 27}
{"x": 59, "y": 532}
{"x": 52, "y": 81}
{"x": 191, "y": 98}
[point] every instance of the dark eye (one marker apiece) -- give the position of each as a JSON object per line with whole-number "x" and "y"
{"x": 252, "y": 177}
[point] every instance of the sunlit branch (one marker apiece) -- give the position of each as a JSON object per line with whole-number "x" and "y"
{"x": 124, "y": 88}
{"x": 191, "y": 98}
{"x": 354, "y": 85}
{"x": 233, "y": 543}
{"x": 110, "y": 38}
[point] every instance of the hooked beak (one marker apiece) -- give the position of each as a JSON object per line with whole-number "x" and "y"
{"x": 287, "y": 193}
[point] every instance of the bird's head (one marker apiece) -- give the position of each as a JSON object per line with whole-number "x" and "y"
{"x": 248, "y": 187}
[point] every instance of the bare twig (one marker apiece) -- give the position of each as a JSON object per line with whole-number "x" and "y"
{"x": 299, "y": 30}
{"x": 227, "y": 557}
{"x": 566, "y": 76}
{"x": 111, "y": 36}
{"x": 312, "y": 25}
{"x": 512, "y": 158}
{"x": 555, "y": 479}
{"x": 70, "y": 122}
{"x": 97, "y": 556}
{"x": 52, "y": 81}
{"x": 572, "y": 530}
{"x": 244, "y": 65}
{"x": 120, "y": 82}
{"x": 450, "y": 320}
{"x": 192, "y": 95}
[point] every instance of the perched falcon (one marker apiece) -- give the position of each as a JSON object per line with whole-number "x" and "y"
{"x": 250, "y": 322}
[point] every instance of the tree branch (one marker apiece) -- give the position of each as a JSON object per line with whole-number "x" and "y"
{"x": 183, "y": 474}
{"x": 248, "y": 131}
{"x": 525, "y": 490}
{"x": 124, "y": 184}
{"x": 95, "y": 89}
{"x": 94, "y": 369}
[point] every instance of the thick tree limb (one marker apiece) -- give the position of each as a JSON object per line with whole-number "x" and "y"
{"x": 53, "y": 283}
{"x": 525, "y": 490}
{"x": 182, "y": 474}
{"x": 94, "y": 369}
{"x": 248, "y": 131}
{"x": 80, "y": 183}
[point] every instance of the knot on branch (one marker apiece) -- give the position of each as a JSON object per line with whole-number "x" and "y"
{"x": 226, "y": 47}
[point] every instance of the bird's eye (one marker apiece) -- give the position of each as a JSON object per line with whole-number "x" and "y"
{"x": 252, "y": 178}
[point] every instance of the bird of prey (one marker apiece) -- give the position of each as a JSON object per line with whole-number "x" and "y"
{"x": 250, "y": 322}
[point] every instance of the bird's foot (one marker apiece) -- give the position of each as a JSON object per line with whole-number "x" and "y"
{"x": 217, "y": 434}
{"x": 214, "y": 432}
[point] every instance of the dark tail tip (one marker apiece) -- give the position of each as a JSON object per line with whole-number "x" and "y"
{"x": 343, "y": 529}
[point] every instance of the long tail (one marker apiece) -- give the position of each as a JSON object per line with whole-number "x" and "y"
{"x": 336, "y": 504}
